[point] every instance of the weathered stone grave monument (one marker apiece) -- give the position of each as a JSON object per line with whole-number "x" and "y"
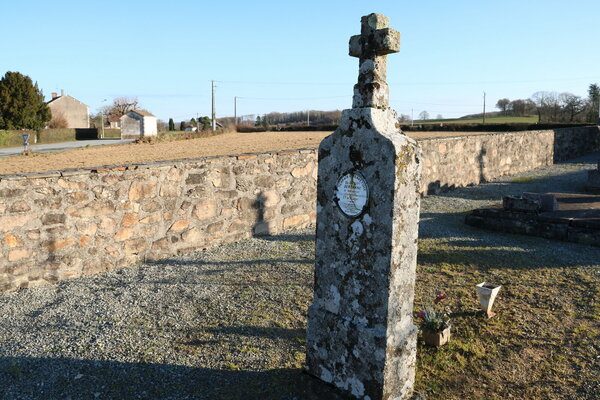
{"x": 361, "y": 337}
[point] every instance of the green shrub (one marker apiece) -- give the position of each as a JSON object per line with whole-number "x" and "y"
{"x": 56, "y": 135}
{"x": 14, "y": 138}
{"x": 111, "y": 133}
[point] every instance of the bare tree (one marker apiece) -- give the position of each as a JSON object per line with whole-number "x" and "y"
{"x": 58, "y": 121}
{"x": 424, "y": 115}
{"x": 122, "y": 105}
{"x": 439, "y": 116}
{"x": 547, "y": 105}
{"x": 571, "y": 104}
{"x": 404, "y": 118}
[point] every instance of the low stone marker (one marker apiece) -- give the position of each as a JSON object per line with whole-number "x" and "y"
{"x": 530, "y": 202}
{"x": 361, "y": 336}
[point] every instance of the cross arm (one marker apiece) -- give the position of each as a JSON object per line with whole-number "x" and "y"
{"x": 381, "y": 42}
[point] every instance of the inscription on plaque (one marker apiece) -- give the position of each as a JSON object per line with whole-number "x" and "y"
{"x": 352, "y": 193}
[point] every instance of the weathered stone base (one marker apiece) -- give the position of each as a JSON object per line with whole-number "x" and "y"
{"x": 356, "y": 360}
{"x": 577, "y": 220}
{"x": 593, "y": 182}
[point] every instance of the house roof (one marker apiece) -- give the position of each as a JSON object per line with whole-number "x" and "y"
{"x": 65, "y": 96}
{"x": 144, "y": 113}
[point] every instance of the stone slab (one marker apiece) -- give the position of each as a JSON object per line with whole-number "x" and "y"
{"x": 576, "y": 219}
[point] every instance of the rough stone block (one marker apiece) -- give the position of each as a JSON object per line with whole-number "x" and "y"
{"x": 19, "y": 206}
{"x": 170, "y": 190}
{"x": 192, "y": 235}
{"x": 12, "y": 241}
{"x": 179, "y": 226}
{"x": 152, "y": 218}
{"x": 130, "y": 219}
{"x": 214, "y": 227}
{"x": 52, "y": 219}
{"x": 142, "y": 190}
{"x": 112, "y": 251}
{"x": 521, "y": 204}
{"x": 265, "y": 181}
{"x": 18, "y": 254}
{"x": 57, "y": 244}
{"x": 12, "y": 222}
{"x": 134, "y": 246}
{"x": 205, "y": 209}
{"x": 95, "y": 208}
{"x": 297, "y": 221}
{"x": 10, "y": 193}
{"x": 123, "y": 234}
{"x": 302, "y": 171}
{"x": 78, "y": 197}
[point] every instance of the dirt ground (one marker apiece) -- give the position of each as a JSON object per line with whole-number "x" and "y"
{"x": 230, "y": 143}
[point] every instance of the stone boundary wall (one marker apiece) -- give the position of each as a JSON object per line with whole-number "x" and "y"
{"x": 64, "y": 224}
{"x": 469, "y": 160}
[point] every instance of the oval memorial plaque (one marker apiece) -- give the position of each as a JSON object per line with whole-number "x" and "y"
{"x": 352, "y": 194}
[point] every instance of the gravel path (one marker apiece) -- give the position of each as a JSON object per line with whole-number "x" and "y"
{"x": 224, "y": 323}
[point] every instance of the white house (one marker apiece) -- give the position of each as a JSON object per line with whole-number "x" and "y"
{"x": 138, "y": 123}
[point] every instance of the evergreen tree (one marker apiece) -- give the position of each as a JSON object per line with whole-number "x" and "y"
{"x": 182, "y": 126}
{"x": 265, "y": 122}
{"x": 258, "y": 122}
{"x": 171, "y": 124}
{"x": 22, "y": 103}
{"x": 205, "y": 123}
{"x": 594, "y": 101}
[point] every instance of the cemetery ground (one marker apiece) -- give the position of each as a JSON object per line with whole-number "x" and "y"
{"x": 223, "y": 144}
{"x": 229, "y": 322}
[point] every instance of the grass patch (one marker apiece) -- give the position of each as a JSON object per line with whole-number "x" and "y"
{"x": 540, "y": 345}
{"x": 524, "y": 179}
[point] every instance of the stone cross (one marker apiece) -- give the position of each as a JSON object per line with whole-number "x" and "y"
{"x": 372, "y": 46}
{"x": 360, "y": 334}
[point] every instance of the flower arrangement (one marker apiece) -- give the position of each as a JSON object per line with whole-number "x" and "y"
{"x": 435, "y": 319}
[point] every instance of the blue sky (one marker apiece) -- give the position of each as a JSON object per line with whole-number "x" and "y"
{"x": 292, "y": 56}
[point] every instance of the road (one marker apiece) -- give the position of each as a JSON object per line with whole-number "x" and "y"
{"x": 45, "y": 148}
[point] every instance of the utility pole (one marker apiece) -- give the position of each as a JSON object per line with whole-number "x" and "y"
{"x": 214, "y": 120}
{"x": 102, "y": 121}
{"x": 483, "y": 108}
{"x": 235, "y": 111}
{"x": 308, "y": 118}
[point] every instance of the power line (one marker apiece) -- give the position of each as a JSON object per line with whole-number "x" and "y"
{"x": 293, "y": 98}
{"x": 419, "y": 83}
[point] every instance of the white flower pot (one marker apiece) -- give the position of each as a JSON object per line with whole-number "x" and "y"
{"x": 487, "y": 294}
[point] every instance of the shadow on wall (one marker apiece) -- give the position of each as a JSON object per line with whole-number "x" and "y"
{"x": 436, "y": 187}
{"x": 261, "y": 227}
{"x": 559, "y": 183}
{"x": 481, "y": 163}
{"x": 43, "y": 378}
{"x": 575, "y": 142}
